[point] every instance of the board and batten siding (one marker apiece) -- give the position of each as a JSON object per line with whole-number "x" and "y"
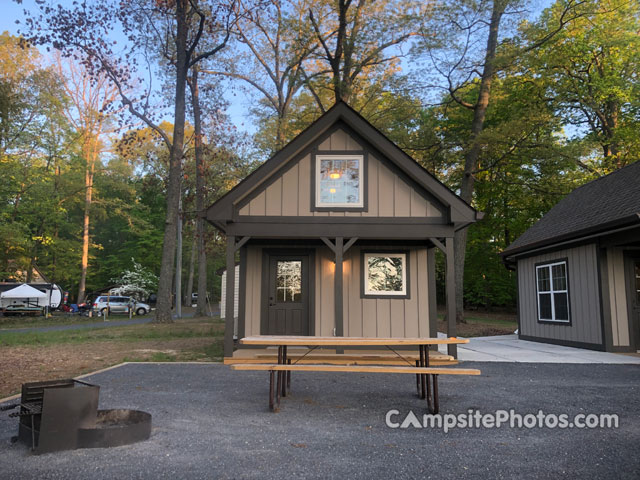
{"x": 584, "y": 298}
{"x": 289, "y": 195}
{"x": 223, "y": 298}
{"x": 362, "y": 316}
{"x": 618, "y": 297}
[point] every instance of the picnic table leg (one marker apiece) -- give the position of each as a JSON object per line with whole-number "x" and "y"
{"x": 272, "y": 403}
{"x": 288, "y": 375}
{"x": 284, "y": 373}
{"x": 279, "y": 376}
{"x": 423, "y": 377}
{"x": 436, "y": 401}
{"x": 418, "y": 378}
{"x": 426, "y": 364}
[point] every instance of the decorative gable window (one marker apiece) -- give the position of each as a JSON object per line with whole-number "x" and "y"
{"x": 553, "y": 292}
{"x": 339, "y": 181}
{"x": 385, "y": 275}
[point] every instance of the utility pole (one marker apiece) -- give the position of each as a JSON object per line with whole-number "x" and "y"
{"x": 179, "y": 263}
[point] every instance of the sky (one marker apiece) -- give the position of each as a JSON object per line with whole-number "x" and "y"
{"x": 239, "y": 101}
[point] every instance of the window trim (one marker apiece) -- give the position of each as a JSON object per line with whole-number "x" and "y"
{"x": 318, "y": 155}
{"x": 406, "y": 274}
{"x": 549, "y": 264}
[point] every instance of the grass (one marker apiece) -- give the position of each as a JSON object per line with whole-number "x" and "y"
{"x": 131, "y": 333}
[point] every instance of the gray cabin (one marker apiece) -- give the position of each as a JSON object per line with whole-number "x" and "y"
{"x": 578, "y": 268}
{"x": 335, "y": 236}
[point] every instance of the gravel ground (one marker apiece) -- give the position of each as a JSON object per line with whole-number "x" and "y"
{"x": 211, "y": 422}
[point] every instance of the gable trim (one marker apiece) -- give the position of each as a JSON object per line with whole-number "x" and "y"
{"x": 341, "y": 116}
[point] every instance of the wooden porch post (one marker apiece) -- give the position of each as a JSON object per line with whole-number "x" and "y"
{"x": 230, "y": 295}
{"x": 338, "y": 291}
{"x": 433, "y": 297}
{"x": 452, "y": 349}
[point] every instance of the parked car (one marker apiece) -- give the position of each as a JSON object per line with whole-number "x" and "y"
{"x": 119, "y": 304}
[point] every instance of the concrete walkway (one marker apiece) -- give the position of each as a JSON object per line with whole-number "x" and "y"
{"x": 508, "y": 348}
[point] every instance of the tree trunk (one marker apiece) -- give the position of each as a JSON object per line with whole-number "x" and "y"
{"x": 473, "y": 150}
{"x": 201, "y": 309}
{"x": 192, "y": 264}
{"x": 163, "y": 306}
{"x": 90, "y": 154}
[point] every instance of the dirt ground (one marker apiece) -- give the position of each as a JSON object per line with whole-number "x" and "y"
{"x": 36, "y": 363}
{"x": 476, "y": 328}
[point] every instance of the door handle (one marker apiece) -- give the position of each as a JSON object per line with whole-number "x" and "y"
{"x": 271, "y": 302}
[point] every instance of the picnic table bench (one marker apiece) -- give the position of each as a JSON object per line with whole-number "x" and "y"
{"x": 280, "y": 372}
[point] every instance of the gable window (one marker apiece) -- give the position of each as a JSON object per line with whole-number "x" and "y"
{"x": 339, "y": 181}
{"x": 553, "y": 292}
{"x": 385, "y": 275}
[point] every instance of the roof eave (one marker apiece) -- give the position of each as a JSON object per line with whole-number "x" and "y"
{"x": 509, "y": 255}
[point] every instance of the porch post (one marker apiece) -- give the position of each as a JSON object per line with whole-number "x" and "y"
{"x": 230, "y": 295}
{"x": 433, "y": 297}
{"x": 338, "y": 291}
{"x": 451, "y": 296}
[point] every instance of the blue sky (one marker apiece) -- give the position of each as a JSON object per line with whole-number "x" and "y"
{"x": 239, "y": 102}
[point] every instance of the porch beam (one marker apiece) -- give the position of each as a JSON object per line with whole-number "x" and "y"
{"x": 329, "y": 244}
{"x": 230, "y": 295}
{"x": 241, "y": 243}
{"x": 452, "y": 349}
{"x": 438, "y": 244}
{"x": 338, "y": 293}
{"x": 349, "y": 244}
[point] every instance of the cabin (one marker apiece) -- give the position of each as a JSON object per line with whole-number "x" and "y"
{"x": 578, "y": 268}
{"x": 336, "y": 236}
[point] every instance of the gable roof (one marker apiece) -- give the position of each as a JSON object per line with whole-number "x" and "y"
{"x": 605, "y": 203}
{"x": 461, "y": 212}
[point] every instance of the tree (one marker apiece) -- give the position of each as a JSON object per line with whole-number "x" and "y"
{"x": 137, "y": 282}
{"x": 463, "y": 43}
{"x": 35, "y": 150}
{"x": 590, "y": 72}
{"x": 358, "y": 38}
{"x": 271, "y": 46}
{"x": 89, "y": 112}
{"x": 176, "y": 28}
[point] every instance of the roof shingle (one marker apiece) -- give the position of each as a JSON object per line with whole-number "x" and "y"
{"x": 602, "y": 202}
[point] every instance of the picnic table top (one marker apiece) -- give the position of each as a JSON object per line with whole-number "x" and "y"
{"x": 290, "y": 340}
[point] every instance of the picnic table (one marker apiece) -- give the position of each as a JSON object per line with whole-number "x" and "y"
{"x": 280, "y": 372}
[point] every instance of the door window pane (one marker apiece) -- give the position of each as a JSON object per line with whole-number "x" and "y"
{"x": 289, "y": 281}
{"x": 339, "y": 180}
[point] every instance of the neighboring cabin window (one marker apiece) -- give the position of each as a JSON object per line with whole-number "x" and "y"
{"x": 385, "y": 274}
{"x": 553, "y": 292}
{"x": 339, "y": 181}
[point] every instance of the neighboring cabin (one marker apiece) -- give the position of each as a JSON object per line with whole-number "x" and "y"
{"x": 578, "y": 268}
{"x": 336, "y": 236}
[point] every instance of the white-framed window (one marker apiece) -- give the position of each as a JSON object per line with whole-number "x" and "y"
{"x": 385, "y": 274}
{"x": 553, "y": 292}
{"x": 339, "y": 181}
